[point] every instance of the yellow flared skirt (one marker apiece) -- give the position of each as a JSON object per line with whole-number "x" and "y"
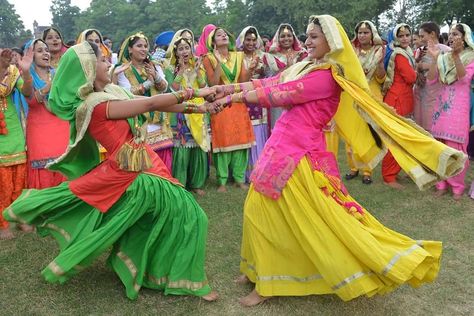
{"x": 307, "y": 242}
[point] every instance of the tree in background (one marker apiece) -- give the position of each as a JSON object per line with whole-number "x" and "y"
{"x": 64, "y": 18}
{"x": 12, "y": 30}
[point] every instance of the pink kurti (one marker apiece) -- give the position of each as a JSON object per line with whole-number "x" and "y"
{"x": 47, "y": 137}
{"x": 451, "y": 122}
{"x": 299, "y": 131}
{"x": 451, "y": 113}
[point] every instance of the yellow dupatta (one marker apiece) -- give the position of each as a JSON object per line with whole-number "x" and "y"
{"x": 424, "y": 159}
{"x": 195, "y": 121}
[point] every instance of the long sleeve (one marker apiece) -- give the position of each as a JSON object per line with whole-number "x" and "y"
{"x": 406, "y": 71}
{"x": 316, "y": 85}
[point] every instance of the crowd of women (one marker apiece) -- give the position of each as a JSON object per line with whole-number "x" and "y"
{"x": 105, "y": 146}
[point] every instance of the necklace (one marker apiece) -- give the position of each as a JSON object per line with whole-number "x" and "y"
{"x": 249, "y": 60}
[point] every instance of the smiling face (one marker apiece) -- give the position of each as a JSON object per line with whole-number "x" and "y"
{"x": 364, "y": 35}
{"x": 316, "y": 42}
{"x": 285, "y": 38}
{"x": 404, "y": 36}
{"x": 250, "y": 42}
{"x": 41, "y": 56}
{"x": 139, "y": 50}
{"x": 53, "y": 40}
{"x": 102, "y": 77}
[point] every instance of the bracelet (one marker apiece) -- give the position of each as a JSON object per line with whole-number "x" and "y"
{"x": 244, "y": 96}
{"x": 183, "y": 95}
{"x": 228, "y": 100}
{"x": 237, "y": 87}
{"x": 147, "y": 84}
{"x": 196, "y": 93}
{"x": 190, "y": 108}
{"x": 179, "y": 97}
{"x": 238, "y": 97}
{"x": 188, "y": 94}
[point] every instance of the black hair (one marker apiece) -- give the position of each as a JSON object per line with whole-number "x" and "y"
{"x": 91, "y": 32}
{"x": 406, "y": 26}
{"x": 95, "y": 48}
{"x": 135, "y": 39}
{"x": 460, "y": 28}
{"x": 49, "y": 29}
{"x": 430, "y": 27}
{"x": 251, "y": 30}
{"x": 302, "y": 38}
{"x": 18, "y": 50}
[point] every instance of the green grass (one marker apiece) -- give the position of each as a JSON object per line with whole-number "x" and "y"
{"x": 98, "y": 291}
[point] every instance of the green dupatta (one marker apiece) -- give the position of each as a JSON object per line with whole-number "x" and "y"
{"x": 72, "y": 98}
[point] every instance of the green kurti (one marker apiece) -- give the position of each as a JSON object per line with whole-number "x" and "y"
{"x": 12, "y": 145}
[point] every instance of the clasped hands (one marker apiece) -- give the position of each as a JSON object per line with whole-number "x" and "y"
{"x": 217, "y": 98}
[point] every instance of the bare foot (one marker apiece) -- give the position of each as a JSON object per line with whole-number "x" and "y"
{"x": 199, "y": 192}
{"x": 242, "y": 279}
{"x": 253, "y": 299}
{"x": 211, "y": 297}
{"x": 439, "y": 193}
{"x": 6, "y": 234}
{"x": 242, "y": 186}
{"x": 222, "y": 189}
{"x": 394, "y": 185}
{"x": 26, "y": 228}
{"x": 457, "y": 196}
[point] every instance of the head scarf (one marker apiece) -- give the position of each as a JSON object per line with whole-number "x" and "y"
{"x": 275, "y": 44}
{"x": 393, "y": 49}
{"x": 407, "y": 142}
{"x": 241, "y": 38}
{"x": 169, "y": 51}
{"x": 371, "y": 60}
{"x": 105, "y": 50}
{"x": 64, "y": 47}
{"x": 72, "y": 98}
{"x": 446, "y": 66}
{"x": 201, "y": 48}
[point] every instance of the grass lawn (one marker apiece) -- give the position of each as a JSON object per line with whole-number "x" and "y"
{"x": 98, "y": 291}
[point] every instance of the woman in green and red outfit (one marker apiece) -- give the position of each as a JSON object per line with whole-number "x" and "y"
{"x": 12, "y": 139}
{"x": 129, "y": 204}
